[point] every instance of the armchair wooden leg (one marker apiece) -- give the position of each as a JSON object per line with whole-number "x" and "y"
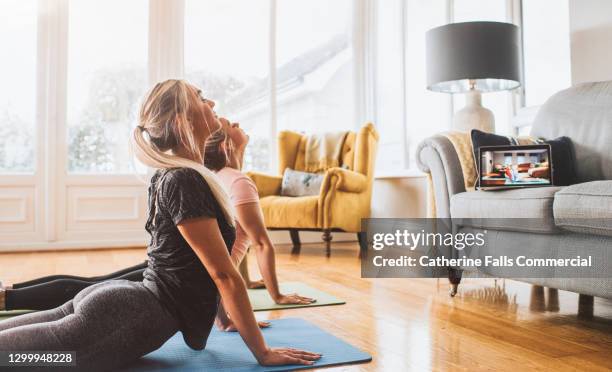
{"x": 363, "y": 244}
{"x": 327, "y": 238}
{"x": 295, "y": 239}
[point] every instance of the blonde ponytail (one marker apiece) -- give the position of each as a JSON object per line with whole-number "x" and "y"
{"x": 164, "y": 116}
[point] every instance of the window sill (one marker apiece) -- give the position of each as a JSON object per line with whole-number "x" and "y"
{"x": 403, "y": 173}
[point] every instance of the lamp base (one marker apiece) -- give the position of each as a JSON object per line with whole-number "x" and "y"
{"x": 473, "y": 115}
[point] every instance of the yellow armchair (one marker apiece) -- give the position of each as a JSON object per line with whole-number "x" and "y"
{"x": 345, "y": 194}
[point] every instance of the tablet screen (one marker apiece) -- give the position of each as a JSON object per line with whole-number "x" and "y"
{"x": 514, "y": 166}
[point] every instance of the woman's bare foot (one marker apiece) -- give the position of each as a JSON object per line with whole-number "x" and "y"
{"x": 256, "y": 284}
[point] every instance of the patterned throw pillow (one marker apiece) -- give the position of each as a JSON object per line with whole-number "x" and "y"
{"x": 296, "y": 183}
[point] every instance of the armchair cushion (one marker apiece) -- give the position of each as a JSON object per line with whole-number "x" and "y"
{"x": 266, "y": 184}
{"x": 288, "y": 211}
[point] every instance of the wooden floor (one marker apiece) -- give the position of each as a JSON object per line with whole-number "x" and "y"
{"x": 406, "y": 324}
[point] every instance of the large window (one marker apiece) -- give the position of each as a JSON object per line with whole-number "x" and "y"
{"x": 545, "y": 49}
{"x": 314, "y": 70}
{"x": 107, "y": 76}
{"x": 427, "y": 112}
{"x": 230, "y": 52}
{"x": 389, "y": 84}
{"x": 18, "y": 95}
{"x": 405, "y": 111}
{"x": 227, "y": 55}
{"x": 313, "y": 66}
{"x": 479, "y": 10}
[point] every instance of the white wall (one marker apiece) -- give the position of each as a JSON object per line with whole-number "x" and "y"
{"x": 591, "y": 40}
{"x": 400, "y": 197}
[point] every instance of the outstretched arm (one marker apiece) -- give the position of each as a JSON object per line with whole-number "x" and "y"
{"x": 204, "y": 237}
{"x": 251, "y": 219}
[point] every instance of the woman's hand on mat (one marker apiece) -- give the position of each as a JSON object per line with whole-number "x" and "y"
{"x": 293, "y": 299}
{"x": 285, "y": 355}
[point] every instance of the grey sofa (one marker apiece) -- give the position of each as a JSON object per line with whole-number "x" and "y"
{"x": 575, "y": 218}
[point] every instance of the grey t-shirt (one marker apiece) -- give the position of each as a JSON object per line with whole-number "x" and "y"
{"x": 175, "y": 274}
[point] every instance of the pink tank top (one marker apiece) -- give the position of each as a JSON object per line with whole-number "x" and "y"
{"x": 242, "y": 191}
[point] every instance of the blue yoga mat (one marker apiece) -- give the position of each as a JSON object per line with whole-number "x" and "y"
{"x": 225, "y": 351}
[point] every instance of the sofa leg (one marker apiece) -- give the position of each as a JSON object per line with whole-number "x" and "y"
{"x": 363, "y": 244}
{"x": 454, "y": 278}
{"x": 536, "y": 300}
{"x": 295, "y": 239}
{"x": 585, "y": 306}
{"x": 552, "y": 299}
{"x": 327, "y": 238}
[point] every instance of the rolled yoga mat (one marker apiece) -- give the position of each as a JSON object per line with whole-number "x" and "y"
{"x": 225, "y": 351}
{"x": 261, "y": 300}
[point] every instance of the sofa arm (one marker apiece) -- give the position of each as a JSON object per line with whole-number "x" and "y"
{"x": 436, "y": 155}
{"x": 266, "y": 184}
{"x": 347, "y": 180}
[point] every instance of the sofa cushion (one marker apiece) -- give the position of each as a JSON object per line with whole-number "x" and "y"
{"x": 585, "y": 208}
{"x": 528, "y": 209}
{"x": 288, "y": 211}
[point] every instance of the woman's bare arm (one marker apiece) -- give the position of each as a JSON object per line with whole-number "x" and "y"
{"x": 204, "y": 237}
{"x": 251, "y": 219}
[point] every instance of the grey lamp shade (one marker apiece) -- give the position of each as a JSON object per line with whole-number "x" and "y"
{"x": 485, "y": 53}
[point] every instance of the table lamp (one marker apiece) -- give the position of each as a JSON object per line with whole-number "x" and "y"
{"x": 471, "y": 58}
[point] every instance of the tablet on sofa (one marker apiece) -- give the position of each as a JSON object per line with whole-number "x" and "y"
{"x": 507, "y": 167}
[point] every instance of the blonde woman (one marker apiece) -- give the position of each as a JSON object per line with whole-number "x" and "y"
{"x": 191, "y": 223}
{"x": 224, "y": 152}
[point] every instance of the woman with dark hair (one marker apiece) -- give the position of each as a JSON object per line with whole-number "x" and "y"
{"x": 192, "y": 228}
{"x": 223, "y": 154}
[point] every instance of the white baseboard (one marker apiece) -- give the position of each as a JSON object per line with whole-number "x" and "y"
{"x": 278, "y": 237}
{"x": 71, "y": 245}
{"x": 282, "y": 237}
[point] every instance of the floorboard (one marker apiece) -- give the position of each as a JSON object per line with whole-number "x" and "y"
{"x": 406, "y": 324}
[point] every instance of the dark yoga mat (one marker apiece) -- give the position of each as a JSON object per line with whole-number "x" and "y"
{"x": 225, "y": 351}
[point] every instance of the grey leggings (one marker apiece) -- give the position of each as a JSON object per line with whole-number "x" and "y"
{"x": 107, "y": 324}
